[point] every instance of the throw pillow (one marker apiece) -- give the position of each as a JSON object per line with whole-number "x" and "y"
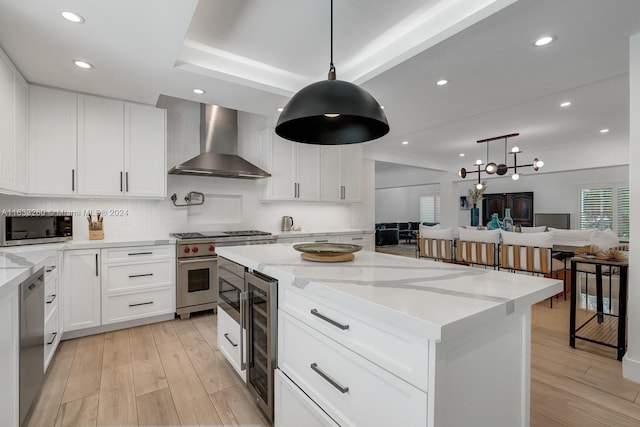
{"x": 540, "y": 240}
{"x": 435, "y": 233}
{"x": 539, "y": 229}
{"x": 469, "y": 235}
{"x": 606, "y": 239}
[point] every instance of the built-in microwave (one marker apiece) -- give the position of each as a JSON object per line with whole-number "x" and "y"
{"x": 28, "y": 227}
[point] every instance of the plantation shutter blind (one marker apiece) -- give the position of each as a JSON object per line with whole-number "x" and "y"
{"x": 430, "y": 208}
{"x": 623, "y": 212}
{"x": 596, "y": 208}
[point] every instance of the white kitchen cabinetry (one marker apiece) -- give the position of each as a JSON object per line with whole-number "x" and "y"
{"x": 341, "y": 171}
{"x": 294, "y": 168}
{"x": 52, "y": 141}
{"x": 100, "y": 146}
{"x": 300, "y": 410}
{"x": 92, "y": 146}
{"x": 9, "y": 353}
{"x": 364, "y": 240}
{"x": 137, "y": 282}
{"x": 13, "y": 132}
{"x": 81, "y": 289}
{"x": 145, "y": 148}
{"x": 53, "y": 320}
{"x": 228, "y": 334}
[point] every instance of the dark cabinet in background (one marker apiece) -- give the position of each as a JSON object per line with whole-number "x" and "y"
{"x": 521, "y": 205}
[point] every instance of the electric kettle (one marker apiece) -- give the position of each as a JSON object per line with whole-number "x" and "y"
{"x": 287, "y": 223}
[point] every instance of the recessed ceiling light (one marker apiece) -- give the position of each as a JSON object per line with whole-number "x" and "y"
{"x": 82, "y": 64}
{"x": 442, "y": 82}
{"x": 565, "y": 104}
{"x": 405, "y": 142}
{"x": 461, "y": 154}
{"x": 280, "y": 109}
{"x": 604, "y": 130}
{"x": 199, "y": 91}
{"x": 543, "y": 41}
{"x": 72, "y": 17}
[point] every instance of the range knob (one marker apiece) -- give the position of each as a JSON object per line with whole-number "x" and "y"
{"x": 195, "y": 250}
{"x": 212, "y": 248}
{"x": 187, "y": 250}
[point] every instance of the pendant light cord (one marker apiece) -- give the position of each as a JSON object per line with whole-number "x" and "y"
{"x": 332, "y": 68}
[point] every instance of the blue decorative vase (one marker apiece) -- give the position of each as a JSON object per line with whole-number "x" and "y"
{"x": 494, "y": 224}
{"x": 475, "y": 216}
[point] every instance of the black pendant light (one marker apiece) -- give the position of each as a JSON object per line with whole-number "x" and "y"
{"x": 332, "y": 112}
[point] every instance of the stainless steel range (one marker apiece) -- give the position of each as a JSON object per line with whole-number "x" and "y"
{"x": 197, "y": 265}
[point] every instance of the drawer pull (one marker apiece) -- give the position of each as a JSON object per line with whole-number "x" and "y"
{"x": 326, "y": 319}
{"x": 141, "y": 303}
{"x": 140, "y": 253}
{"x": 53, "y": 338}
{"x": 314, "y": 367}
{"x": 322, "y": 241}
{"x": 356, "y": 238}
{"x": 131, "y": 276}
{"x": 229, "y": 339}
{"x": 53, "y": 297}
{"x": 50, "y": 269}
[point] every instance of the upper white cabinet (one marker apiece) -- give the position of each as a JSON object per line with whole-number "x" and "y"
{"x": 92, "y": 146}
{"x": 52, "y": 141}
{"x": 341, "y": 168}
{"x": 294, "y": 168}
{"x": 13, "y": 119}
{"x": 100, "y": 146}
{"x": 145, "y": 148}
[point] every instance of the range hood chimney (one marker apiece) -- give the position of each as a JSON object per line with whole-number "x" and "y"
{"x": 219, "y": 148}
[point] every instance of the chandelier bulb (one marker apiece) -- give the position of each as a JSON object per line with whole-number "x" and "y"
{"x": 515, "y": 177}
{"x": 478, "y": 162}
{"x": 479, "y": 186}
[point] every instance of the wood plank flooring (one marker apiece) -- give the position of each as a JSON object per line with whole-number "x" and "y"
{"x": 172, "y": 373}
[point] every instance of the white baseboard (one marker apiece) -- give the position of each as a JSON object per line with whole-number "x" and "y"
{"x": 631, "y": 369}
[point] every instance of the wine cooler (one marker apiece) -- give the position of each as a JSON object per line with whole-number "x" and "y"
{"x": 262, "y": 328}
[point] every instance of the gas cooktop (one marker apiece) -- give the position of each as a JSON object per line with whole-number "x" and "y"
{"x": 218, "y": 234}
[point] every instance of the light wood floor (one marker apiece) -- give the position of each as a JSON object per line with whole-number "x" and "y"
{"x": 172, "y": 373}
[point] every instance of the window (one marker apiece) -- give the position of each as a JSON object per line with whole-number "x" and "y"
{"x": 430, "y": 208}
{"x": 604, "y": 208}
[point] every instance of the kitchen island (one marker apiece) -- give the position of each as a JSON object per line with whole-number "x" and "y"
{"x": 388, "y": 340}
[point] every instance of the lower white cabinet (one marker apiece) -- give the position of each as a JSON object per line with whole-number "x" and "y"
{"x": 9, "y": 353}
{"x": 229, "y": 342}
{"x": 294, "y": 408}
{"x": 344, "y": 383}
{"x": 136, "y": 305}
{"x": 81, "y": 289}
{"x": 364, "y": 240}
{"x": 53, "y": 320}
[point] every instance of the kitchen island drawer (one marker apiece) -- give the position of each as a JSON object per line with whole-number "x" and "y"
{"x": 400, "y": 353}
{"x": 228, "y": 331}
{"x": 138, "y": 253}
{"x": 294, "y": 408}
{"x": 122, "y": 277}
{"x": 137, "y": 305}
{"x": 344, "y": 384}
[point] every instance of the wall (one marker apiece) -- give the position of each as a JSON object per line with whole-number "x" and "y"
{"x": 401, "y": 204}
{"x": 631, "y": 361}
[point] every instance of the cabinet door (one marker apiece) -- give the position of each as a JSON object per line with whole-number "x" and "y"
{"x": 52, "y": 141}
{"x": 294, "y": 408}
{"x": 100, "y": 146}
{"x": 351, "y": 168}
{"x": 9, "y": 351}
{"x": 308, "y": 171}
{"x": 7, "y": 124}
{"x": 145, "y": 151}
{"x": 282, "y": 161}
{"x": 81, "y": 289}
{"x": 331, "y": 183}
{"x": 21, "y": 124}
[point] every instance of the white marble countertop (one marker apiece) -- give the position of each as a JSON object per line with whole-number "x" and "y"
{"x": 434, "y": 300}
{"x": 17, "y": 263}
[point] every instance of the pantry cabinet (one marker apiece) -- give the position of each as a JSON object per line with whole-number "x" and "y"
{"x": 13, "y": 132}
{"x": 92, "y": 146}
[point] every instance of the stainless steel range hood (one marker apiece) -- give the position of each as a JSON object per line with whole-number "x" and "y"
{"x": 219, "y": 148}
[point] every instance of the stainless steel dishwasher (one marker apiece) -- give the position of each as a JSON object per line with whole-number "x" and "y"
{"x": 31, "y": 341}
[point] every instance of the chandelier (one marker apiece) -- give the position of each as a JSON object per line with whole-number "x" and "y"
{"x": 500, "y": 169}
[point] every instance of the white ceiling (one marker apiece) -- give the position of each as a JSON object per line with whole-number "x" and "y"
{"x": 253, "y": 55}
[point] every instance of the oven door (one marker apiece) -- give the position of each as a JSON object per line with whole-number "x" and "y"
{"x": 197, "y": 278}
{"x": 230, "y": 286}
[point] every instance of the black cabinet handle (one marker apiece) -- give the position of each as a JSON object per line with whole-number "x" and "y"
{"x": 314, "y": 367}
{"x": 126, "y": 181}
{"x": 53, "y": 338}
{"x": 73, "y": 180}
{"x": 328, "y": 320}
{"x": 141, "y": 303}
{"x": 50, "y": 269}
{"x": 53, "y": 297}
{"x": 131, "y": 276}
{"x": 229, "y": 339}
{"x": 96, "y": 265}
{"x": 120, "y": 180}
